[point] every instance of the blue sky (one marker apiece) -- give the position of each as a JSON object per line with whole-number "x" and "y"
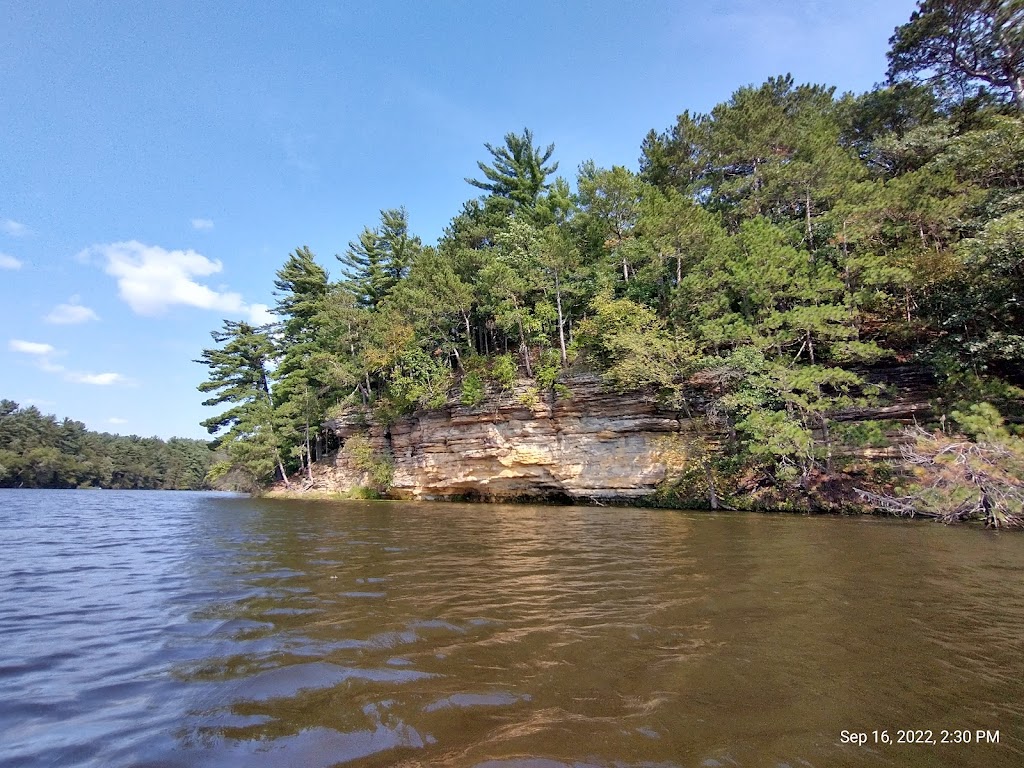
{"x": 159, "y": 160}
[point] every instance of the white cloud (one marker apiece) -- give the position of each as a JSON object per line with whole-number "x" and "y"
{"x": 202, "y": 224}
{"x": 42, "y": 353}
{"x": 30, "y": 347}
{"x": 99, "y": 379}
{"x": 14, "y": 228}
{"x": 71, "y": 313}
{"x": 259, "y": 314}
{"x": 9, "y": 262}
{"x": 117, "y": 420}
{"x": 150, "y": 279}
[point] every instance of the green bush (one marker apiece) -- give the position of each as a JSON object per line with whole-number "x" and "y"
{"x": 379, "y": 467}
{"x": 504, "y": 371}
{"x": 549, "y": 368}
{"x": 529, "y": 397}
{"x": 473, "y": 390}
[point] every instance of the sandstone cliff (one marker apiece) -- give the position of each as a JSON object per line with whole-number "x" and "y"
{"x": 589, "y": 444}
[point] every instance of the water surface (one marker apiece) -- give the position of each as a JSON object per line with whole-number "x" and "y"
{"x": 180, "y": 629}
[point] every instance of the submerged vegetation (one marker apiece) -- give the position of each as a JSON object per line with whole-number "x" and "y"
{"x": 776, "y": 248}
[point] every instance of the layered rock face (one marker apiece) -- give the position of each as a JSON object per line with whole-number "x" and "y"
{"x": 592, "y": 444}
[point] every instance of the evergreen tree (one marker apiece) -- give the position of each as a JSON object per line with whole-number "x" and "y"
{"x": 301, "y": 288}
{"x": 238, "y": 376}
{"x": 954, "y": 44}
{"x": 38, "y": 451}
{"x": 517, "y": 174}
{"x": 380, "y": 258}
{"x": 298, "y": 394}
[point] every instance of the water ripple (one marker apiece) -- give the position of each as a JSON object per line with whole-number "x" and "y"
{"x": 150, "y": 629}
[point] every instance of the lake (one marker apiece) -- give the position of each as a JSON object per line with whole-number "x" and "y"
{"x": 191, "y": 629}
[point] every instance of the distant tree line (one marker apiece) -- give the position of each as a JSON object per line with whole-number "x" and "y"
{"x": 773, "y": 248}
{"x": 40, "y": 451}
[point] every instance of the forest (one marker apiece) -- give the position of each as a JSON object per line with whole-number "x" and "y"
{"x": 772, "y": 252}
{"x": 38, "y": 451}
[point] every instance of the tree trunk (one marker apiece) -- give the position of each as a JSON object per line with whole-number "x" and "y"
{"x": 469, "y": 333}
{"x": 524, "y": 347}
{"x": 712, "y": 492}
{"x": 309, "y": 456}
{"x": 561, "y": 321}
{"x": 827, "y": 436}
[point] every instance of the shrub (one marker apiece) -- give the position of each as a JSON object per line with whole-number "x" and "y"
{"x": 473, "y": 390}
{"x": 379, "y": 467}
{"x": 504, "y": 371}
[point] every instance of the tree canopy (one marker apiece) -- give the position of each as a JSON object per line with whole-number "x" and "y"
{"x": 41, "y": 451}
{"x": 957, "y": 44}
{"x": 773, "y": 252}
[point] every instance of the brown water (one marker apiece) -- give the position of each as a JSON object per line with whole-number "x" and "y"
{"x": 162, "y": 629}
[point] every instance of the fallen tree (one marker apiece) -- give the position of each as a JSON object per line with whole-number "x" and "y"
{"x": 954, "y": 478}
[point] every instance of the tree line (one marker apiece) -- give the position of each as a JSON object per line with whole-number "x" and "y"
{"x": 40, "y": 451}
{"x": 773, "y": 249}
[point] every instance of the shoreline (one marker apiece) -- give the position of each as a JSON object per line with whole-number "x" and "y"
{"x": 318, "y": 495}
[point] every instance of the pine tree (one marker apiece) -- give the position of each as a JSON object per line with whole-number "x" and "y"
{"x": 956, "y": 43}
{"x": 301, "y": 288}
{"x": 300, "y": 391}
{"x": 518, "y": 174}
{"x": 380, "y": 258}
{"x": 238, "y": 375}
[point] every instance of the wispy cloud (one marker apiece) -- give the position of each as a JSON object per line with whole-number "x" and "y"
{"x": 202, "y": 224}
{"x": 98, "y": 379}
{"x": 71, "y": 313}
{"x": 14, "y": 228}
{"x": 43, "y": 356}
{"x": 151, "y": 279}
{"x": 117, "y": 420}
{"x": 30, "y": 347}
{"x": 9, "y": 262}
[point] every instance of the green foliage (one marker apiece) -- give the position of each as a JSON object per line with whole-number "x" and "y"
{"x": 38, "y": 451}
{"x": 529, "y": 397}
{"x": 865, "y": 434}
{"x": 238, "y": 373}
{"x": 696, "y": 469}
{"x": 380, "y": 258}
{"x": 504, "y": 371}
{"x": 549, "y": 368}
{"x": 473, "y": 390}
{"x": 518, "y": 173}
{"x": 959, "y": 43}
{"x": 379, "y": 468}
{"x": 633, "y": 346}
{"x": 766, "y": 255}
{"x": 982, "y": 422}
